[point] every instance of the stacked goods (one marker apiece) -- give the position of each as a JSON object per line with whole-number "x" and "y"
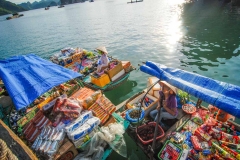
{"x": 66, "y": 56}
{"x": 34, "y": 127}
{"x": 69, "y": 87}
{"x": 77, "y": 117}
{"x": 115, "y": 67}
{"x": 86, "y": 96}
{"x": 106, "y": 104}
{"x": 28, "y": 117}
{"x": 204, "y": 137}
{"x": 67, "y": 107}
{"x": 102, "y": 108}
{"x": 99, "y": 112}
{"x": 155, "y": 89}
{"x": 170, "y": 151}
{"x": 127, "y": 66}
{"x": 149, "y": 102}
{"x": 48, "y": 142}
{"x": 66, "y": 88}
{"x": 84, "y": 132}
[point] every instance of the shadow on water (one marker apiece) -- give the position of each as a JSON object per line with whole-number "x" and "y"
{"x": 133, "y": 151}
{"x": 207, "y": 41}
{"x": 121, "y": 92}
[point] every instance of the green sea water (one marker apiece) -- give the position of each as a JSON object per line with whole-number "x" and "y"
{"x": 200, "y": 36}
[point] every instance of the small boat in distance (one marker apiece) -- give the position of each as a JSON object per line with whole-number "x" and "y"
{"x": 14, "y": 15}
{"x": 86, "y": 62}
{"x": 61, "y": 6}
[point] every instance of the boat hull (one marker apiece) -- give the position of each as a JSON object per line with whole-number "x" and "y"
{"x": 109, "y": 86}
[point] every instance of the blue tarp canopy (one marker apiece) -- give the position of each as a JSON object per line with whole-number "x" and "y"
{"x": 28, "y": 77}
{"x": 223, "y": 95}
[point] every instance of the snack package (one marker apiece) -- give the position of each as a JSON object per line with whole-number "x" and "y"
{"x": 204, "y": 135}
{"x": 216, "y": 134}
{"x": 79, "y": 133}
{"x": 177, "y": 137}
{"x": 196, "y": 118}
{"x": 69, "y": 107}
{"x": 211, "y": 121}
{"x": 196, "y": 143}
{"x": 190, "y": 126}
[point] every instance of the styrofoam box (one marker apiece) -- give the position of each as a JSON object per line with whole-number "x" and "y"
{"x": 155, "y": 90}
{"x": 119, "y": 74}
{"x": 152, "y": 106}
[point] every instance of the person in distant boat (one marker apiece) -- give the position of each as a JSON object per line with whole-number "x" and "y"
{"x": 103, "y": 60}
{"x": 169, "y": 103}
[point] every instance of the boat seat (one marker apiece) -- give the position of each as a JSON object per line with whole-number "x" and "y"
{"x": 170, "y": 122}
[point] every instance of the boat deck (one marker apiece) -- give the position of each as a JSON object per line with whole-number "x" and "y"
{"x": 146, "y": 148}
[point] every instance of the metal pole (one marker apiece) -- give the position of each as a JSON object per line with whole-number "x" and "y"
{"x": 143, "y": 100}
{"x": 156, "y": 128}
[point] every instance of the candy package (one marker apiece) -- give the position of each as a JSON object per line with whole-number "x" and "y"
{"x": 196, "y": 118}
{"x": 190, "y": 126}
{"x": 177, "y": 137}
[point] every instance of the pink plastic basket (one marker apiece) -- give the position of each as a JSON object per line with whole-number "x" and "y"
{"x": 189, "y": 108}
{"x": 145, "y": 132}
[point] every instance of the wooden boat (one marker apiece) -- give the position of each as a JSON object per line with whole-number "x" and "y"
{"x": 27, "y": 126}
{"x": 14, "y": 15}
{"x": 227, "y": 100}
{"x": 85, "y": 62}
{"x": 36, "y": 65}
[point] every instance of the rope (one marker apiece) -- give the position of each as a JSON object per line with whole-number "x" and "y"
{"x": 5, "y": 152}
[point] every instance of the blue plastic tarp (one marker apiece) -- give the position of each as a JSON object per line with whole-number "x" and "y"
{"x": 223, "y": 95}
{"x": 27, "y": 77}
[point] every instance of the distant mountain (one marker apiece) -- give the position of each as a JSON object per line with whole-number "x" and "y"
{"x": 40, "y": 4}
{"x": 7, "y": 7}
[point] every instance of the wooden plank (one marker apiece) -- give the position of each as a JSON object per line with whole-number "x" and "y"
{"x": 15, "y": 144}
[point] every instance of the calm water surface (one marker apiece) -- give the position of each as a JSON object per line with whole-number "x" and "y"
{"x": 202, "y": 37}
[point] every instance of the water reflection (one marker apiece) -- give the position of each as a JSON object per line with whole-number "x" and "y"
{"x": 207, "y": 41}
{"x": 121, "y": 92}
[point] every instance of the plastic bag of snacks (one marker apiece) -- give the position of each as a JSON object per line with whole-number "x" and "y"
{"x": 69, "y": 107}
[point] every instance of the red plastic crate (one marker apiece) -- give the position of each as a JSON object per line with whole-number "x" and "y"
{"x": 153, "y": 124}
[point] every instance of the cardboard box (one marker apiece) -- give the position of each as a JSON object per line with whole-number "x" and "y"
{"x": 126, "y": 66}
{"x": 119, "y": 74}
{"x": 155, "y": 90}
{"x": 153, "y": 105}
{"x": 67, "y": 151}
{"x": 112, "y": 72}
